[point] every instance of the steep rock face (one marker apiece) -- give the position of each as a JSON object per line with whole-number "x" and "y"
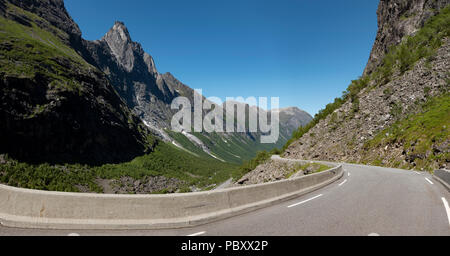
{"x": 127, "y": 52}
{"x": 54, "y": 106}
{"x": 134, "y": 75}
{"x": 352, "y": 132}
{"x": 150, "y": 94}
{"x": 342, "y": 136}
{"x": 397, "y": 19}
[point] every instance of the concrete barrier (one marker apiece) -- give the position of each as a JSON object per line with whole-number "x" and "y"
{"x": 58, "y": 210}
{"x": 443, "y": 176}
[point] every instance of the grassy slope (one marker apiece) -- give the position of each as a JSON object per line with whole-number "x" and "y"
{"x": 235, "y": 146}
{"x": 27, "y": 50}
{"x": 423, "y": 137}
{"x": 234, "y": 150}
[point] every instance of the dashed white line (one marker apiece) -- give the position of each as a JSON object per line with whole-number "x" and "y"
{"x": 198, "y": 234}
{"x": 73, "y": 234}
{"x": 349, "y": 174}
{"x": 290, "y": 206}
{"x": 429, "y": 181}
{"x": 374, "y": 234}
{"x": 417, "y": 172}
{"x": 447, "y": 209}
{"x": 343, "y": 183}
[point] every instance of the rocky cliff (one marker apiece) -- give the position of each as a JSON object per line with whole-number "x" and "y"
{"x": 398, "y": 19}
{"x": 134, "y": 75}
{"x": 55, "y": 107}
{"x": 397, "y": 114}
{"x": 150, "y": 94}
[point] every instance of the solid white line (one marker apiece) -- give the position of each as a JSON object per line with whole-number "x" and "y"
{"x": 198, "y": 234}
{"x": 290, "y": 206}
{"x": 429, "y": 181}
{"x": 343, "y": 183}
{"x": 447, "y": 209}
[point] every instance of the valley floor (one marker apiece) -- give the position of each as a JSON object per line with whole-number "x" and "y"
{"x": 166, "y": 170}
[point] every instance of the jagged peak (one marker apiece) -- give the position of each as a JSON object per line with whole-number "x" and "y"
{"x": 127, "y": 52}
{"x": 120, "y": 29}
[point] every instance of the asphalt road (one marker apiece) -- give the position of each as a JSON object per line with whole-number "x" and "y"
{"x": 366, "y": 201}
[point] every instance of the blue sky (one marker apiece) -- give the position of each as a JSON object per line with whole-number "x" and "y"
{"x": 304, "y": 51}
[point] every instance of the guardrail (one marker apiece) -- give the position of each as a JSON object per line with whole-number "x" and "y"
{"x": 58, "y": 210}
{"x": 443, "y": 176}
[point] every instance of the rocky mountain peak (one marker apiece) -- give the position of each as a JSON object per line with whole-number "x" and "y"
{"x": 128, "y": 54}
{"x": 119, "y": 41}
{"x": 121, "y": 30}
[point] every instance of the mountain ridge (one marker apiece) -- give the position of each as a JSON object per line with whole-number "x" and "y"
{"x": 134, "y": 77}
{"x": 150, "y": 93}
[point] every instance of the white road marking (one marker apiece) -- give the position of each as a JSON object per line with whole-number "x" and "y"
{"x": 447, "y": 209}
{"x": 73, "y": 234}
{"x": 429, "y": 181}
{"x": 290, "y": 206}
{"x": 373, "y": 234}
{"x": 349, "y": 174}
{"x": 417, "y": 172}
{"x": 198, "y": 234}
{"x": 343, "y": 183}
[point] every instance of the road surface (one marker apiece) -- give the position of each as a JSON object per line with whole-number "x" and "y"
{"x": 366, "y": 201}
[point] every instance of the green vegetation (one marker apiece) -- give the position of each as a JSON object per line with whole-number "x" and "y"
{"x": 187, "y": 144}
{"x": 29, "y": 50}
{"x": 169, "y": 161}
{"x": 234, "y": 149}
{"x": 47, "y": 177}
{"x": 166, "y": 160}
{"x": 421, "y": 135}
{"x": 422, "y": 45}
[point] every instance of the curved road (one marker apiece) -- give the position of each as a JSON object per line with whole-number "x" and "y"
{"x": 366, "y": 201}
